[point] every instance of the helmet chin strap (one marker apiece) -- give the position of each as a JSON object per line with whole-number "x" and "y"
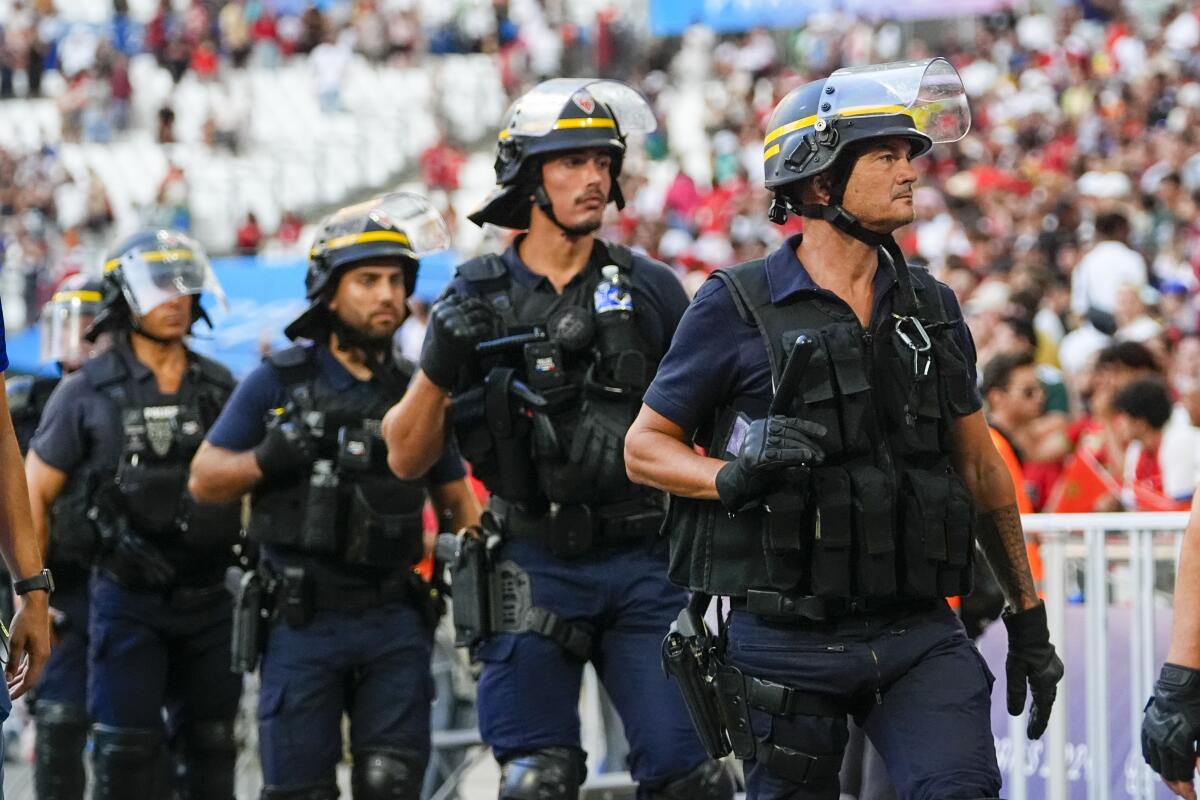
{"x": 543, "y": 202}
{"x": 376, "y": 350}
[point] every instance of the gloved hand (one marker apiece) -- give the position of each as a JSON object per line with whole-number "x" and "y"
{"x": 1172, "y": 723}
{"x": 288, "y": 447}
{"x": 457, "y": 323}
{"x": 1032, "y": 661}
{"x": 771, "y": 446}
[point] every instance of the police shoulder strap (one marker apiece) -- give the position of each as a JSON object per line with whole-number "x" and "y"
{"x": 751, "y": 295}
{"x": 212, "y": 372}
{"x": 297, "y": 368}
{"x": 620, "y": 255}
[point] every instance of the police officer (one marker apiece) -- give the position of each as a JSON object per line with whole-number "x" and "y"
{"x": 1171, "y": 726}
{"x": 121, "y": 431}
{"x": 340, "y": 534}
{"x": 546, "y": 351}
{"x": 68, "y": 540}
{"x": 847, "y": 464}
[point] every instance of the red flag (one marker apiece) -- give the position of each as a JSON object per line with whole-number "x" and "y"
{"x": 1084, "y": 481}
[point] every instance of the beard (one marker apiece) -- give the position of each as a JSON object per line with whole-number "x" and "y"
{"x": 581, "y": 229}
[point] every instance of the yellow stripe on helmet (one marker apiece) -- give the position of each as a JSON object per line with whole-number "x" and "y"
{"x": 859, "y": 111}
{"x": 853, "y": 111}
{"x": 572, "y": 122}
{"x": 784, "y": 130}
{"x": 773, "y": 150}
{"x": 363, "y": 238}
{"x": 82, "y": 295}
{"x": 153, "y": 255}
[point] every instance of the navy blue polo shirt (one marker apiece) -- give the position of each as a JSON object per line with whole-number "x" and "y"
{"x": 658, "y": 298}
{"x": 243, "y": 421}
{"x": 717, "y": 358}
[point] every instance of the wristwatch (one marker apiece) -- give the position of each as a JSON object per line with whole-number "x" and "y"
{"x": 44, "y": 580}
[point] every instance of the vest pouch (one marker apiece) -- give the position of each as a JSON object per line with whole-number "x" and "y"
{"x": 277, "y": 517}
{"x": 874, "y": 532}
{"x": 925, "y": 499}
{"x": 818, "y": 400}
{"x": 844, "y": 344}
{"x": 211, "y": 527}
{"x": 151, "y": 493}
{"x": 72, "y": 535}
{"x": 956, "y": 578}
{"x": 383, "y": 528}
{"x": 319, "y": 529}
{"x": 591, "y": 467}
{"x": 787, "y": 538}
{"x": 954, "y": 379}
{"x": 832, "y": 533}
{"x": 915, "y": 407}
{"x": 712, "y": 552}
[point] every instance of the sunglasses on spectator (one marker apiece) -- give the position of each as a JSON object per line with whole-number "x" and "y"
{"x": 1028, "y": 392}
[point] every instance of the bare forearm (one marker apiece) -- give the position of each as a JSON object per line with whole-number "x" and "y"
{"x": 415, "y": 428}
{"x": 20, "y": 546}
{"x": 1185, "y": 625}
{"x": 1003, "y": 543}
{"x": 222, "y": 476}
{"x": 656, "y": 459}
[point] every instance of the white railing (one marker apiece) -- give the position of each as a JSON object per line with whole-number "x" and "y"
{"x": 1095, "y": 541}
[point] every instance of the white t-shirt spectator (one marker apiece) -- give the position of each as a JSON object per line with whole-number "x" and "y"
{"x": 1078, "y": 347}
{"x": 1107, "y": 267}
{"x": 1179, "y": 455}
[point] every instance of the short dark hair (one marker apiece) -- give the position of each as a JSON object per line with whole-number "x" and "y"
{"x": 1112, "y": 224}
{"x": 998, "y": 372}
{"x": 1022, "y": 326}
{"x": 1133, "y": 355}
{"x": 1145, "y": 399}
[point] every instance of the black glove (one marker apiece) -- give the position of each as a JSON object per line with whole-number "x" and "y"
{"x": 1032, "y": 660}
{"x": 771, "y": 446}
{"x": 457, "y": 323}
{"x": 288, "y": 447}
{"x": 1172, "y": 723}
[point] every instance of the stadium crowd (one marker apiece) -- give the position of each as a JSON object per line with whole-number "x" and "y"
{"x": 1066, "y": 220}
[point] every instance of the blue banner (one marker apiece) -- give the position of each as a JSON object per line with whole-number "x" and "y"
{"x": 264, "y": 296}
{"x": 673, "y": 17}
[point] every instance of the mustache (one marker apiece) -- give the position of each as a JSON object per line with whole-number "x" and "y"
{"x": 591, "y": 196}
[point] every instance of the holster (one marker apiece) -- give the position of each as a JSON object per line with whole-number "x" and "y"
{"x": 471, "y": 578}
{"x": 128, "y": 558}
{"x": 252, "y": 590}
{"x": 688, "y": 656}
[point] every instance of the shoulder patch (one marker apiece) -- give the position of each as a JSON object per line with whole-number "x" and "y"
{"x": 485, "y": 268}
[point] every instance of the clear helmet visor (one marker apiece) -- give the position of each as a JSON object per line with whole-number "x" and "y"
{"x": 63, "y": 322}
{"x": 173, "y": 267}
{"x": 929, "y": 91}
{"x": 404, "y": 218}
{"x": 540, "y": 110}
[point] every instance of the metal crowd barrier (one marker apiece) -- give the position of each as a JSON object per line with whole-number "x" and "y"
{"x": 1094, "y": 541}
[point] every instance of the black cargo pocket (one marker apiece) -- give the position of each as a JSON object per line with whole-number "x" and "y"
{"x": 688, "y": 531}
{"x": 832, "y": 533}
{"x": 918, "y": 418}
{"x": 874, "y": 532}
{"x": 844, "y": 343}
{"x": 925, "y": 500}
{"x": 956, "y": 576}
{"x": 954, "y": 380}
{"x": 818, "y": 401}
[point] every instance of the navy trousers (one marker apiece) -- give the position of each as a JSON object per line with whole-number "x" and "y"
{"x": 64, "y": 680}
{"x": 373, "y": 666}
{"x": 529, "y": 689}
{"x": 927, "y": 697}
{"x": 151, "y": 651}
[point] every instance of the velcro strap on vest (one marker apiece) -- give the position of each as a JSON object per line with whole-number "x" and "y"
{"x": 797, "y": 767}
{"x": 570, "y": 636}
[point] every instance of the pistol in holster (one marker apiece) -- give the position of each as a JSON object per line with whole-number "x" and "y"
{"x": 252, "y": 592}
{"x": 471, "y": 573}
{"x": 691, "y": 658}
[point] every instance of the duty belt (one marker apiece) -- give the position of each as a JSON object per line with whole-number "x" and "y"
{"x": 801, "y": 608}
{"x": 571, "y": 530}
{"x": 327, "y": 596}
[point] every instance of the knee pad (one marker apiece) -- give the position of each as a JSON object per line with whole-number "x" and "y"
{"x": 710, "y": 780}
{"x": 127, "y": 762}
{"x": 324, "y": 791}
{"x": 553, "y": 773}
{"x": 62, "y": 731}
{"x": 208, "y": 755}
{"x": 387, "y": 775}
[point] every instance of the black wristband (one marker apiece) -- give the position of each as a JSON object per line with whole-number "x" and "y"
{"x": 43, "y": 581}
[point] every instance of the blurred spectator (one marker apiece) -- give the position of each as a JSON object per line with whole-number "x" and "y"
{"x": 1179, "y": 455}
{"x": 1014, "y": 399}
{"x": 1134, "y": 323}
{"x": 1140, "y": 411}
{"x": 249, "y": 236}
{"x": 290, "y": 228}
{"x": 173, "y": 209}
{"x": 440, "y": 164}
{"x": 1110, "y": 264}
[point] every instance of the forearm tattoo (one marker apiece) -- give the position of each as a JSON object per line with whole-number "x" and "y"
{"x": 1003, "y": 543}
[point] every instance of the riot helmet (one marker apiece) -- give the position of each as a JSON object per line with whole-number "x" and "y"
{"x": 558, "y": 116}
{"x": 396, "y": 228}
{"x": 65, "y": 318}
{"x": 820, "y": 127}
{"x": 148, "y": 269}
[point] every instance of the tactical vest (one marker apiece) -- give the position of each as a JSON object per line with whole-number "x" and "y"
{"x": 544, "y": 421}
{"x": 350, "y": 507}
{"x": 157, "y": 444}
{"x": 72, "y": 537}
{"x": 885, "y": 515}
